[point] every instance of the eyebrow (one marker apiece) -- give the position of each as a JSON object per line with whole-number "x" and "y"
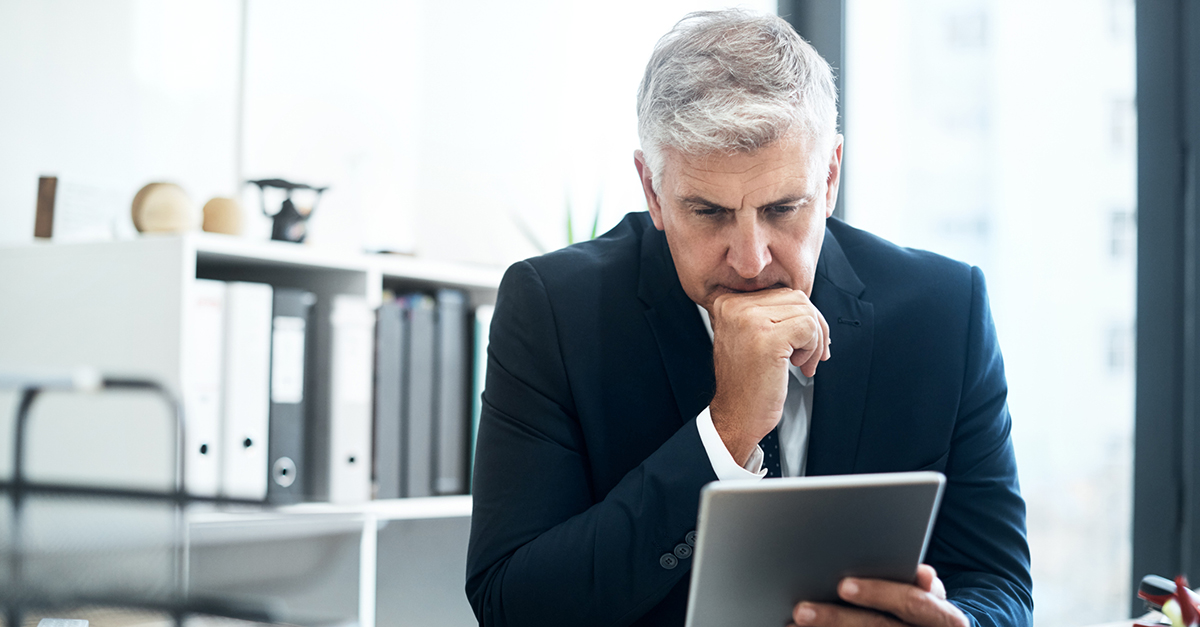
{"x": 786, "y": 200}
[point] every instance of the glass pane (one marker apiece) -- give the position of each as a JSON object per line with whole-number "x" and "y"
{"x": 1002, "y": 133}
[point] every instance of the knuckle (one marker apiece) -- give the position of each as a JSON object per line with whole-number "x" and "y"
{"x": 833, "y": 617}
{"x": 914, "y": 604}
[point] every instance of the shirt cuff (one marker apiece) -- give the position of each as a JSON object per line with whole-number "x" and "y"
{"x": 719, "y": 456}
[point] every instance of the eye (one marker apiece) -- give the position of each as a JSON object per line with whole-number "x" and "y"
{"x": 780, "y": 210}
{"x": 708, "y": 212}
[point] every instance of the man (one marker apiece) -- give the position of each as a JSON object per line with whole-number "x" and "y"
{"x": 733, "y": 329}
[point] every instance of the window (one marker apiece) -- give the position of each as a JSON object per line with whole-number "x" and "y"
{"x": 1003, "y": 134}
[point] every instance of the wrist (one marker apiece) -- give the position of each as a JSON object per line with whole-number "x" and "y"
{"x": 739, "y": 443}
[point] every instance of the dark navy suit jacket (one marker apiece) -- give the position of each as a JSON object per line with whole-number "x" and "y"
{"x": 589, "y": 465}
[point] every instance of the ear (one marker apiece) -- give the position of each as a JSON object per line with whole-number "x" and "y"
{"x": 647, "y": 178}
{"x": 835, "y": 177}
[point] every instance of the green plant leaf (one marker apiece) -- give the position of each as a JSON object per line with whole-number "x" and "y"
{"x": 596, "y": 218}
{"x": 570, "y": 226}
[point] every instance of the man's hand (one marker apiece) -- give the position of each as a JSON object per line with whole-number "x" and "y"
{"x": 888, "y": 604}
{"x": 755, "y": 335}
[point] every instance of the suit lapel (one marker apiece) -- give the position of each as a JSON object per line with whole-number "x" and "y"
{"x": 678, "y": 330}
{"x": 839, "y": 395}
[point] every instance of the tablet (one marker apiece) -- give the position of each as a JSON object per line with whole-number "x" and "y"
{"x": 764, "y": 546}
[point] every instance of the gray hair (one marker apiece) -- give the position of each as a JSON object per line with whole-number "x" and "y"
{"x": 732, "y": 81}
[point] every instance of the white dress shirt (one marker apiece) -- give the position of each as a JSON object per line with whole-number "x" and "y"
{"x": 793, "y": 431}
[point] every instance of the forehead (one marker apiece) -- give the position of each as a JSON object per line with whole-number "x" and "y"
{"x": 793, "y": 163}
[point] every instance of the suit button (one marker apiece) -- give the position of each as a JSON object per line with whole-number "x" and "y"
{"x": 668, "y": 561}
{"x": 683, "y": 551}
{"x": 691, "y": 538}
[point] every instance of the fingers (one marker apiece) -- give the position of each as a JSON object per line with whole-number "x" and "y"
{"x": 928, "y": 581}
{"x": 825, "y": 350}
{"x": 909, "y": 603}
{"x": 754, "y": 335}
{"x": 773, "y": 296}
{"x": 828, "y": 615}
{"x": 781, "y": 302}
{"x": 802, "y": 333}
{"x": 828, "y": 337}
{"x": 789, "y": 314}
{"x": 810, "y": 342}
{"x": 925, "y": 577}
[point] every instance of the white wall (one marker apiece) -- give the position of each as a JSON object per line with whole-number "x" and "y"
{"x": 116, "y": 93}
{"x": 439, "y": 126}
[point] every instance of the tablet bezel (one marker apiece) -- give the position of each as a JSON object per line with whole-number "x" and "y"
{"x": 742, "y": 577}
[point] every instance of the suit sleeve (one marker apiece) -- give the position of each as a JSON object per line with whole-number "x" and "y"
{"x": 545, "y": 549}
{"x": 979, "y": 545}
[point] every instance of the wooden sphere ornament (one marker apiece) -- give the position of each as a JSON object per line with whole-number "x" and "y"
{"x": 162, "y": 208}
{"x": 223, "y": 215}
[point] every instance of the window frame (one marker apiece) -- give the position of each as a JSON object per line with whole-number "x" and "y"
{"x": 1166, "y": 489}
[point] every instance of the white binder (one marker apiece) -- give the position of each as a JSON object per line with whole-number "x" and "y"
{"x": 247, "y": 402}
{"x": 202, "y": 383}
{"x": 353, "y": 325}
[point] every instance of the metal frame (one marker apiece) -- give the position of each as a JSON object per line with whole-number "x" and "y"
{"x": 1166, "y": 486}
{"x": 823, "y": 24}
{"x": 14, "y": 601}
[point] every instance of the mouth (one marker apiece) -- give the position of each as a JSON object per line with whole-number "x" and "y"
{"x": 747, "y": 289}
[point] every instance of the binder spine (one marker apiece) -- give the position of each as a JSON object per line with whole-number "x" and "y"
{"x": 348, "y": 439}
{"x": 203, "y": 367}
{"x": 247, "y": 403}
{"x": 390, "y": 355}
{"x": 291, "y": 340}
{"x": 452, "y": 384}
{"x": 419, "y": 418}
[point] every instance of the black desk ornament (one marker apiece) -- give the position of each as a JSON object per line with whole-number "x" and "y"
{"x": 290, "y": 225}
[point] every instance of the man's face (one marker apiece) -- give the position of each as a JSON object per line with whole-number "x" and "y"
{"x": 748, "y": 221}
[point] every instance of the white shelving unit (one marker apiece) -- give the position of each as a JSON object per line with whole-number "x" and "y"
{"x": 120, "y": 307}
{"x": 390, "y": 562}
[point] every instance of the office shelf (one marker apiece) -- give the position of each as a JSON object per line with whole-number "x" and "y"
{"x": 121, "y": 307}
{"x": 383, "y": 510}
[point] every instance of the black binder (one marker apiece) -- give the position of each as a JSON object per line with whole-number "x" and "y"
{"x": 453, "y": 380}
{"x": 291, "y": 352}
{"x": 390, "y": 357}
{"x": 421, "y": 392}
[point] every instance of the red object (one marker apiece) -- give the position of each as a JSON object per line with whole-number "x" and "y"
{"x": 1188, "y": 602}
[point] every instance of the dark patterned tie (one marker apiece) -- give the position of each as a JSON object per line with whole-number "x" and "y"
{"x": 770, "y": 448}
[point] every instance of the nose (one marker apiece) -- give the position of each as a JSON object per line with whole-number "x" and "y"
{"x": 748, "y": 252}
